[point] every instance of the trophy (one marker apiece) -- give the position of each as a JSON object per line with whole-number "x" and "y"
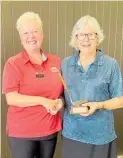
{"x": 76, "y": 107}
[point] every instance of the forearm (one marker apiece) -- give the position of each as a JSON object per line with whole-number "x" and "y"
{"x": 114, "y": 103}
{"x": 20, "y": 100}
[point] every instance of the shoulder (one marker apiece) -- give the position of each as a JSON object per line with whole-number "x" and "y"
{"x": 66, "y": 60}
{"x": 110, "y": 62}
{"x": 71, "y": 60}
{"x": 15, "y": 60}
{"x": 65, "y": 63}
{"x": 109, "y": 59}
{"x": 105, "y": 59}
{"x": 14, "y": 63}
{"x": 52, "y": 57}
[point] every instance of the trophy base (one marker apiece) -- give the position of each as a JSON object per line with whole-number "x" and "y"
{"x": 79, "y": 109}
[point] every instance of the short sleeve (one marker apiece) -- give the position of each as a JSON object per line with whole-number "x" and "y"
{"x": 116, "y": 84}
{"x": 11, "y": 77}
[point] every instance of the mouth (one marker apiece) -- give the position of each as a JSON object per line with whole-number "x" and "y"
{"x": 32, "y": 42}
{"x": 86, "y": 45}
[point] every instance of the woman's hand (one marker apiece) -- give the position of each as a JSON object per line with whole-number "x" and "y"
{"x": 58, "y": 105}
{"x": 93, "y": 106}
{"x": 50, "y": 105}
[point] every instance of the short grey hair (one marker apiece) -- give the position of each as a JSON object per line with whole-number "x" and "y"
{"x": 28, "y": 16}
{"x": 93, "y": 23}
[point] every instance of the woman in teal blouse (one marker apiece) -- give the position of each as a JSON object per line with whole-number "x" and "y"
{"x": 91, "y": 76}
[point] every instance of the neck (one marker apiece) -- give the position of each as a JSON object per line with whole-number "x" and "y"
{"x": 86, "y": 58}
{"x": 35, "y": 57}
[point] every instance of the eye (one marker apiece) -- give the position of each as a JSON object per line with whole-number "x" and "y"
{"x": 35, "y": 31}
{"x": 25, "y": 33}
{"x": 91, "y": 34}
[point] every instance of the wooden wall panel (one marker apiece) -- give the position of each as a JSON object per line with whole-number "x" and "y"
{"x": 58, "y": 19}
{"x": 61, "y": 28}
{"x": 53, "y": 18}
{"x": 69, "y": 26}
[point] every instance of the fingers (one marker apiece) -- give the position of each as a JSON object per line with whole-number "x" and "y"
{"x": 58, "y": 104}
{"x": 87, "y": 104}
{"x": 53, "y": 112}
{"x": 93, "y": 106}
{"x": 55, "y": 106}
{"x": 88, "y": 113}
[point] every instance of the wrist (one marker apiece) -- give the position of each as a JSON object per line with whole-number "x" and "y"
{"x": 100, "y": 105}
{"x": 59, "y": 103}
{"x": 62, "y": 100}
{"x": 43, "y": 101}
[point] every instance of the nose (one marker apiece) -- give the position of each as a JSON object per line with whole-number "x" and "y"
{"x": 31, "y": 35}
{"x": 86, "y": 37}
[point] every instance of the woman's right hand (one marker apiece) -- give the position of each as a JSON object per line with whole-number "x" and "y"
{"x": 93, "y": 106}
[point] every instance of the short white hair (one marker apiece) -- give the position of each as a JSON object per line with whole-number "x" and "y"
{"x": 27, "y": 16}
{"x": 93, "y": 23}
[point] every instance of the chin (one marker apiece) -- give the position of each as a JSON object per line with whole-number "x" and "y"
{"x": 34, "y": 48}
{"x": 86, "y": 50}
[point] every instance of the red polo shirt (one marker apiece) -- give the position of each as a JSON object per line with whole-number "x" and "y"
{"x": 21, "y": 75}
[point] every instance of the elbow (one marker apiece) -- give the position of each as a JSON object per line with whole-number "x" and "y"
{"x": 11, "y": 98}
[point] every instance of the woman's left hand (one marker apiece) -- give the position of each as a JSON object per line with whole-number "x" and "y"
{"x": 93, "y": 106}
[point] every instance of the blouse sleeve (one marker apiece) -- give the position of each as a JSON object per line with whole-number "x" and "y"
{"x": 11, "y": 77}
{"x": 116, "y": 83}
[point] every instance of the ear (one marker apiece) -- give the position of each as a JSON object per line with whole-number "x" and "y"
{"x": 42, "y": 35}
{"x": 21, "y": 42}
{"x": 97, "y": 42}
{"x": 76, "y": 44}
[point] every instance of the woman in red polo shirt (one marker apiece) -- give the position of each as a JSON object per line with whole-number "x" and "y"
{"x": 32, "y": 92}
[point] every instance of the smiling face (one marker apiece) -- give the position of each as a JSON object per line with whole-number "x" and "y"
{"x": 87, "y": 39}
{"x": 31, "y": 36}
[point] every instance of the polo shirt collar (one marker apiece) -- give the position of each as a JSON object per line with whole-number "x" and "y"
{"x": 26, "y": 57}
{"x": 98, "y": 60}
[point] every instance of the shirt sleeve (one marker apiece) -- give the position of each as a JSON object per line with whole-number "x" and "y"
{"x": 11, "y": 77}
{"x": 116, "y": 84}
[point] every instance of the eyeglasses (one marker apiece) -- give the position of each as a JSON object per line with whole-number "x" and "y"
{"x": 82, "y": 36}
